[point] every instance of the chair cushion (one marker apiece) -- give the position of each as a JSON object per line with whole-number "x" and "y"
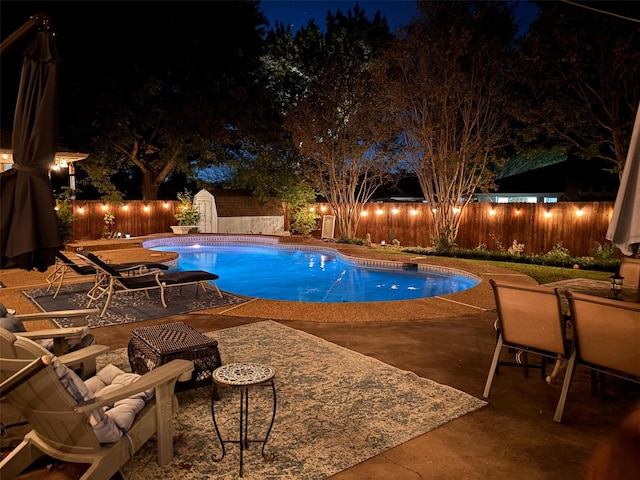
{"x": 112, "y": 422}
{"x": 9, "y": 321}
{"x": 188, "y": 276}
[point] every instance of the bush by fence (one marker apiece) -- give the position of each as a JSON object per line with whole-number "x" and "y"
{"x": 579, "y": 226}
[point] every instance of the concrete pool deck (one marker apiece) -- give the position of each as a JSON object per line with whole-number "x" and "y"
{"x": 449, "y": 341}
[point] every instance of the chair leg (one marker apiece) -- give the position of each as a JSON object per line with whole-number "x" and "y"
{"x": 25, "y": 454}
{"x": 568, "y": 376}
{"x": 108, "y": 300}
{"x": 164, "y": 302}
{"x": 494, "y": 366}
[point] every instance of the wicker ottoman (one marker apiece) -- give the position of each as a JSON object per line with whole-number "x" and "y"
{"x": 150, "y": 347}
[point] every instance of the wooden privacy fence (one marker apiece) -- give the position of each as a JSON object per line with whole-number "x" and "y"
{"x": 134, "y": 217}
{"x": 579, "y": 226}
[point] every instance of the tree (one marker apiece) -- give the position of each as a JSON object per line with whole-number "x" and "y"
{"x": 578, "y": 71}
{"x": 339, "y": 125}
{"x": 174, "y": 91}
{"x": 445, "y": 79}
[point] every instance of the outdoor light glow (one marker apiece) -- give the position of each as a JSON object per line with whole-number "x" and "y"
{"x": 165, "y": 205}
{"x": 414, "y": 212}
{"x": 395, "y": 211}
{"x": 547, "y": 214}
{"x": 80, "y": 210}
{"x": 146, "y": 208}
{"x": 323, "y": 208}
{"x": 434, "y": 210}
{"x": 5, "y": 156}
{"x": 492, "y": 212}
{"x": 579, "y": 212}
{"x": 456, "y": 210}
{"x": 518, "y": 212}
{"x": 105, "y": 207}
{"x": 125, "y": 207}
{"x": 379, "y": 211}
{"x": 312, "y": 209}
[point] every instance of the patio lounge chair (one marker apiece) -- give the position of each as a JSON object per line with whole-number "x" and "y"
{"x": 607, "y": 340}
{"x": 83, "y": 422}
{"x": 65, "y": 265}
{"x": 14, "y": 346}
{"x": 530, "y": 319}
{"x": 57, "y": 340}
{"x": 114, "y": 282}
{"x": 82, "y": 360}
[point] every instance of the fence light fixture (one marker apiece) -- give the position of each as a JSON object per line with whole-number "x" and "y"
{"x": 547, "y": 214}
{"x": 579, "y": 212}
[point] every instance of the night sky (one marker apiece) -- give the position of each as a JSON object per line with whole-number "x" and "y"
{"x": 80, "y": 24}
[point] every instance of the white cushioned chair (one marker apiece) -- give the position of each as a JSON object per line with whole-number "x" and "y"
{"x": 69, "y": 420}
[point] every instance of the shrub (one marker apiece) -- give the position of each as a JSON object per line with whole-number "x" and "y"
{"x": 604, "y": 252}
{"x": 352, "y": 241}
{"x": 64, "y": 211}
{"x": 516, "y": 248}
{"x": 188, "y": 214}
{"x": 557, "y": 257}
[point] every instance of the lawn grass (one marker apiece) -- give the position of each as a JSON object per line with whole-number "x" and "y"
{"x": 545, "y": 274}
{"x": 541, "y": 273}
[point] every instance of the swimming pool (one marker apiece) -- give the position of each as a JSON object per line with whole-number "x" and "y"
{"x": 298, "y": 274}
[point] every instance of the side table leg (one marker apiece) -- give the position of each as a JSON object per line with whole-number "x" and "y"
{"x": 273, "y": 417}
{"x": 244, "y": 418}
{"x": 214, "y": 457}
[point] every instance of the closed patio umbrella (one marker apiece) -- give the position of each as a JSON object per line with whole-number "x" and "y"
{"x": 29, "y": 234}
{"x": 624, "y": 227}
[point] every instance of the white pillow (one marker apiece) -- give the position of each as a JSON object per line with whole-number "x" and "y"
{"x": 111, "y": 422}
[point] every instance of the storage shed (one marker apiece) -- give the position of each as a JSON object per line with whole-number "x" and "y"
{"x": 234, "y": 211}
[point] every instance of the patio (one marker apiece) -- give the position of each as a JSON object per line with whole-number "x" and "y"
{"x": 449, "y": 341}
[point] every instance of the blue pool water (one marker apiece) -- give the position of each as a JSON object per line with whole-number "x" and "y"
{"x": 302, "y": 275}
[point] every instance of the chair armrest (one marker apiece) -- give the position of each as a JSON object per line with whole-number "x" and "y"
{"x": 59, "y": 314}
{"x": 63, "y": 338}
{"x": 73, "y": 334}
{"x": 175, "y": 370}
{"x": 83, "y": 361}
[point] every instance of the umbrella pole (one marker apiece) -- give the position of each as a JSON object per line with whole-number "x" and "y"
{"x": 41, "y": 19}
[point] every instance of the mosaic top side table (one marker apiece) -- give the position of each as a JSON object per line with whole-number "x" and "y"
{"x": 244, "y": 376}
